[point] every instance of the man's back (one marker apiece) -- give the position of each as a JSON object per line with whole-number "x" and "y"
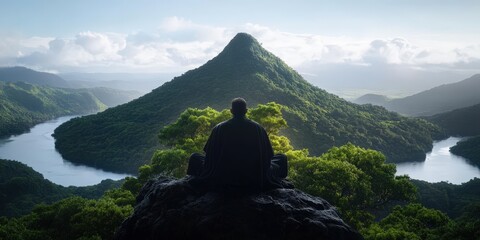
{"x": 239, "y": 156}
{"x": 240, "y": 152}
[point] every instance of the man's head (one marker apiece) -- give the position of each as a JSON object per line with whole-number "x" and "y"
{"x": 239, "y": 107}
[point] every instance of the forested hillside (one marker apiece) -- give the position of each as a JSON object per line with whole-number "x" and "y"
{"x": 459, "y": 122}
{"x": 21, "y": 188}
{"x": 469, "y": 149}
{"x": 23, "y": 105}
{"x": 449, "y": 198}
{"x": 112, "y": 97}
{"x": 124, "y": 138}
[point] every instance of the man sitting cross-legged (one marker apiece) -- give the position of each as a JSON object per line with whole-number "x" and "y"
{"x": 239, "y": 156}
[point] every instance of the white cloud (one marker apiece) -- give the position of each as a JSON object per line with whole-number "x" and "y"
{"x": 298, "y": 49}
{"x": 98, "y": 43}
{"x": 179, "y": 44}
{"x": 394, "y": 51}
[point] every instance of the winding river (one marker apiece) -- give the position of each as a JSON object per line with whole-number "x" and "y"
{"x": 441, "y": 165}
{"x": 37, "y": 150}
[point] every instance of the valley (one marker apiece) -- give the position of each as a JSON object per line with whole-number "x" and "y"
{"x": 107, "y": 107}
{"x": 122, "y": 137}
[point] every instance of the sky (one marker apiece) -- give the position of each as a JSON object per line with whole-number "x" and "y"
{"x": 401, "y": 43}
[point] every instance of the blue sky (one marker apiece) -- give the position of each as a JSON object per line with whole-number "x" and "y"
{"x": 355, "y": 18}
{"x": 411, "y": 37}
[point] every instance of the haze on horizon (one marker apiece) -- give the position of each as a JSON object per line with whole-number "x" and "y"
{"x": 347, "y": 47}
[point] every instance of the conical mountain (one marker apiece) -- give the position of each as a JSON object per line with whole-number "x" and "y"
{"x": 124, "y": 137}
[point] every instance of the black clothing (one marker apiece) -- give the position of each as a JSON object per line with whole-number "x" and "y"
{"x": 239, "y": 156}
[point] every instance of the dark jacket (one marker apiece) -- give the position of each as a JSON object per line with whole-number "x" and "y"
{"x": 238, "y": 155}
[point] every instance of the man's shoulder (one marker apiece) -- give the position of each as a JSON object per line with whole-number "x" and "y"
{"x": 219, "y": 125}
{"x": 251, "y": 122}
{"x": 233, "y": 121}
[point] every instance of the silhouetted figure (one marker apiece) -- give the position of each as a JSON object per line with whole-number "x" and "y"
{"x": 239, "y": 156}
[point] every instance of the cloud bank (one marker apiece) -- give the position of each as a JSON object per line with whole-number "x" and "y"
{"x": 179, "y": 44}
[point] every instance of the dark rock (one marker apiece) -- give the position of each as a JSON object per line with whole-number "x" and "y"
{"x": 173, "y": 209}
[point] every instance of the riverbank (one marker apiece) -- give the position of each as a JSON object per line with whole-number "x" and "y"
{"x": 37, "y": 149}
{"x": 441, "y": 165}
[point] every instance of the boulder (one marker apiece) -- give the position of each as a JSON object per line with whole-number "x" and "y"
{"x": 174, "y": 209}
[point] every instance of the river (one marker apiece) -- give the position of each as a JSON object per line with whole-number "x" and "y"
{"x": 37, "y": 150}
{"x": 441, "y": 165}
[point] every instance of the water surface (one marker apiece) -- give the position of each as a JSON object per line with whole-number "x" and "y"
{"x": 441, "y": 165}
{"x": 37, "y": 150}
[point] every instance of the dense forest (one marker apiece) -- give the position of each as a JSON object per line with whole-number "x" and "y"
{"x": 459, "y": 122}
{"x": 356, "y": 180}
{"x": 123, "y": 138}
{"x": 469, "y": 149}
{"x": 449, "y": 198}
{"x": 21, "y": 188}
{"x": 23, "y": 105}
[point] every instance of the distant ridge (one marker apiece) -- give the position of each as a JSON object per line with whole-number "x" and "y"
{"x": 23, "y": 74}
{"x": 437, "y": 100}
{"x": 375, "y": 99}
{"x": 124, "y": 138}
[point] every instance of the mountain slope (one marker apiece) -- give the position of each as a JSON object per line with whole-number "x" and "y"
{"x": 109, "y": 96}
{"x": 23, "y": 105}
{"x": 439, "y": 99}
{"x": 460, "y": 122}
{"x": 469, "y": 149}
{"x": 371, "y": 98}
{"x": 124, "y": 137}
{"x": 23, "y": 74}
{"x": 112, "y": 97}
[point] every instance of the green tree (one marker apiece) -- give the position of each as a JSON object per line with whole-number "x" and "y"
{"x": 412, "y": 221}
{"x": 71, "y": 218}
{"x": 189, "y": 133}
{"x": 172, "y": 162}
{"x": 468, "y": 224}
{"x": 269, "y": 116}
{"x": 99, "y": 218}
{"x": 354, "y": 179}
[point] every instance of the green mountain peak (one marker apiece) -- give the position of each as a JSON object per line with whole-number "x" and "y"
{"x": 243, "y": 45}
{"x": 124, "y": 138}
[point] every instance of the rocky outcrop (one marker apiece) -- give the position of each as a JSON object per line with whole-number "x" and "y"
{"x": 173, "y": 209}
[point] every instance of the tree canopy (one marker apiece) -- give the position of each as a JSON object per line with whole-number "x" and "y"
{"x": 352, "y": 178}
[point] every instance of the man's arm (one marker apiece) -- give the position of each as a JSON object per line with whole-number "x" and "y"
{"x": 209, "y": 150}
{"x": 268, "y": 145}
{"x": 267, "y": 151}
